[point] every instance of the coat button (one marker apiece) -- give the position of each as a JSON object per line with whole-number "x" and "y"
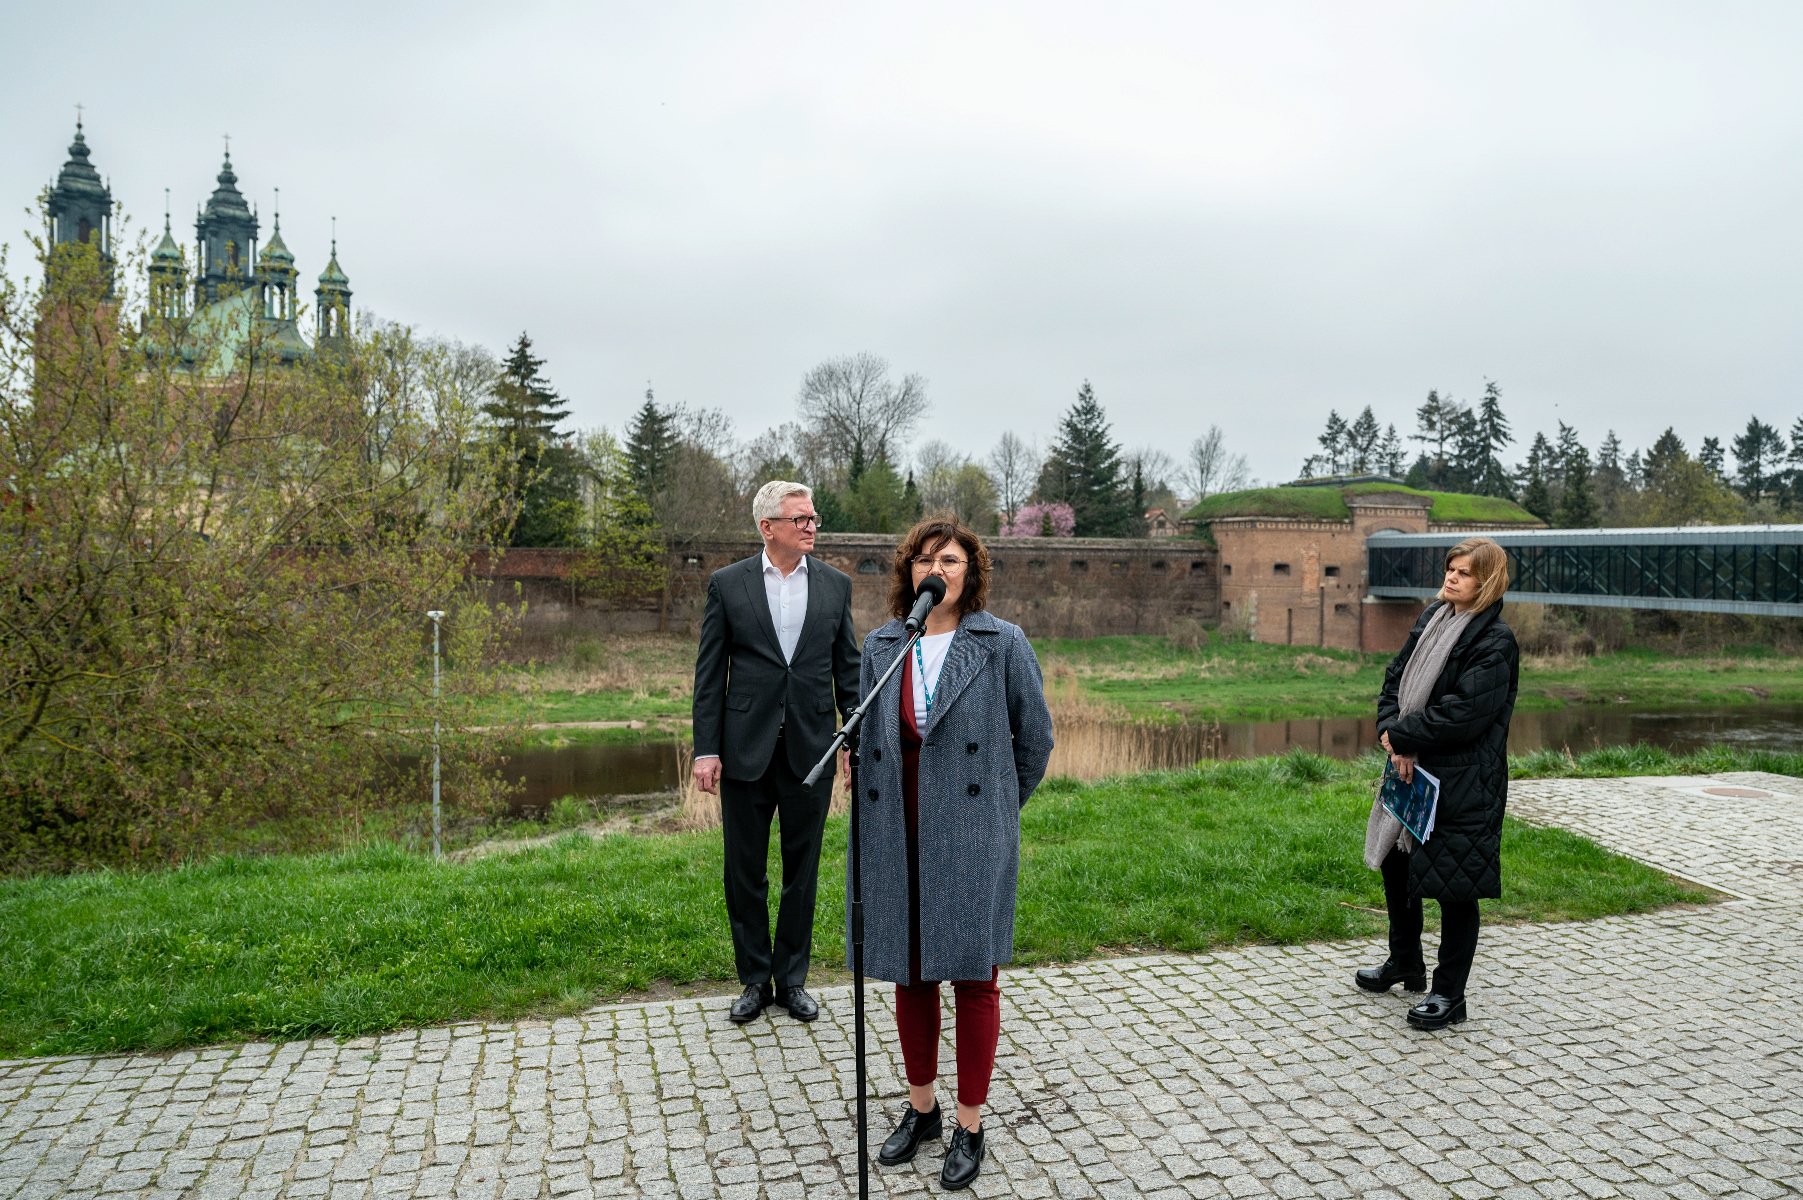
{"x": 876, "y": 756}
{"x": 972, "y": 748}
{"x": 975, "y": 789}
{"x": 871, "y": 793}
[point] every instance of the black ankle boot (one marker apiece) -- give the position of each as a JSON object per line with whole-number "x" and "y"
{"x": 915, "y": 1128}
{"x": 1437, "y": 1011}
{"x": 1382, "y": 979}
{"x": 963, "y": 1159}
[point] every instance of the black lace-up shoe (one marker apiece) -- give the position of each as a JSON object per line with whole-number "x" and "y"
{"x": 1437, "y": 1012}
{"x": 963, "y": 1159}
{"x": 801, "y": 1006}
{"x": 1382, "y": 979}
{"x": 752, "y": 1001}
{"x": 915, "y": 1128}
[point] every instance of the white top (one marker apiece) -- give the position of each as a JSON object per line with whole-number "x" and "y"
{"x": 932, "y": 648}
{"x": 788, "y": 596}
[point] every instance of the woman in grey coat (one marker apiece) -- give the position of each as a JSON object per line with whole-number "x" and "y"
{"x": 953, "y": 746}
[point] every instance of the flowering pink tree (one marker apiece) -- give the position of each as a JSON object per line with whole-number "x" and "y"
{"x": 1042, "y": 520}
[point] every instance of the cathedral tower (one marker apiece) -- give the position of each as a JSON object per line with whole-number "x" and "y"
{"x": 227, "y": 232}
{"x": 80, "y": 205}
{"x": 333, "y": 302}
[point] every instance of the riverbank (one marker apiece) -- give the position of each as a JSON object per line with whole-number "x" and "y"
{"x": 378, "y": 938}
{"x": 648, "y": 678}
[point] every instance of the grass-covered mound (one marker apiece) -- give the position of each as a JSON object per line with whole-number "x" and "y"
{"x": 1329, "y": 504}
{"x": 1265, "y": 850}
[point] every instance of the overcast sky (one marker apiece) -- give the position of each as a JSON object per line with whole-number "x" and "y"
{"x": 1230, "y": 213}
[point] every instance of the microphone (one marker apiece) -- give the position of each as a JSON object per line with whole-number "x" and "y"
{"x": 930, "y": 592}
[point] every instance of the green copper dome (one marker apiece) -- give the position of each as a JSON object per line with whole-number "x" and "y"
{"x": 333, "y": 272}
{"x": 276, "y": 252}
{"x": 167, "y": 251}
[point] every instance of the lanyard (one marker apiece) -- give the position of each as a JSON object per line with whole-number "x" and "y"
{"x": 920, "y": 665}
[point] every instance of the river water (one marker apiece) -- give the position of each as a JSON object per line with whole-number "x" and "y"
{"x": 1093, "y": 750}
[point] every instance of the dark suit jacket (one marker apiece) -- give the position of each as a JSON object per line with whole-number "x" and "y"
{"x": 744, "y": 691}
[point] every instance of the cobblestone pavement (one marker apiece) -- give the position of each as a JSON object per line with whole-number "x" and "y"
{"x": 1654, "y": 1056}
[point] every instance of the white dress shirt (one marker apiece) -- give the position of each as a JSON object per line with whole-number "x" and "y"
{"x": 788, "y": 596}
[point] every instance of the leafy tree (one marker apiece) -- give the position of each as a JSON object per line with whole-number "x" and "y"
{"x": 216, "y": 585}
{"x": 1042, "y": 520}
{"x": 625, "y": 555}
{"x": 1577, "y": 502}
{"x": 1212, "y": 468}
{"x": 1084, "y": 471}
{"x": 1758, "y": 456}
{"x": 877, "y": 502}
{"x": 858, "y": 411}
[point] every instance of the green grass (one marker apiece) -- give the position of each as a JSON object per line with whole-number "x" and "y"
{"x": 353, "y": 943}
{"x": 1151, "y": 678}
{"x": 1329, "y": 504}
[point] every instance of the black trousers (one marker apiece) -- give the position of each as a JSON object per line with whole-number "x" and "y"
{"x": 746, "y": 809}
{"x": 1458, "y": 929}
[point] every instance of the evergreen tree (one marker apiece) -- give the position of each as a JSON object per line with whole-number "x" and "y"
{"x": 911, "y": 505}
{"x": 1610, "y": 478}
{"x": 1333, "y": 443}
{"x": 1492, "y": 478}
{"x": 1362, "y": 438}
{"x": 1794, "y": 461}
{"x": 1390, "y": 453}
{"x": 1563, "y": 449}
{"x": 1418, "y": 476}
{"x": 651, "y": 447}
{"x": 878, "y": 502}
{"x": 1710, "y": 455}
{"x": 1469, "y": 451}
{"x": 1536, "y": 496}
{"x": 1432, "y": 429}
{"x": 1577, "y": 503}
{"x": 1758, "y": 455}
{"x": 1083, "y": 470}
{"x": 545, "y": 474}
{"x": 1668, "y": 449}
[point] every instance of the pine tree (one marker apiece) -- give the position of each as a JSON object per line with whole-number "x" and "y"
{"x": 1333, "y": 443}
{"x": 1711, "y": 456}
{"x": 1390, "y": 453}
{"x": 1563, "y": 449}
{"x": 651, "y": 447}
{"x": 1611, "y": 479}
{"x": 1794, "y": 460}
{"x": 1668, "y": 450}
{"x": 1758, "y": 453}
{"x": 1493, "y": 428}
{"x": 1577, "y": 503}
{"x": 1536, "y": 496}
{"x": 545, "y": 474}
{"x": 1083, "y": 470}
{"x": 1362, "y": 438}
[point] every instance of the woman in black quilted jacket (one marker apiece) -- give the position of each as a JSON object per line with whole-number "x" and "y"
{"x": 1446, "y": 702}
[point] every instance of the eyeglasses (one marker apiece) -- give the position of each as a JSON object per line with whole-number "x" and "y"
{"x": 800, "y": 522}
{"x": 924, "y": 562}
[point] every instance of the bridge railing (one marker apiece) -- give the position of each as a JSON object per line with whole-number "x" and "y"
{"x": 1753, "y": 569}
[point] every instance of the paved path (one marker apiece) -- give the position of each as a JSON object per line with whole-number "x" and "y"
{"x": 1656, "y": 1056}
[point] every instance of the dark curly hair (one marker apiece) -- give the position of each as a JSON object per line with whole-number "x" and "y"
{"x": 929, "y": 537}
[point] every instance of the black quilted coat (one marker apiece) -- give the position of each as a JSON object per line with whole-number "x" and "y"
{"x": 1461, "y": 737}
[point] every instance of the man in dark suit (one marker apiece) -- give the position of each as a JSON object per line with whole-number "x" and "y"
{"x": 777, "y": 656}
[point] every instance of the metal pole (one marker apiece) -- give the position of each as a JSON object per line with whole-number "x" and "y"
{"x": 437, "y": 847}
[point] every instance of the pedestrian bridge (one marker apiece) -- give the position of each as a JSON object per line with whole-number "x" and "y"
{"x": 1752, "y": 569}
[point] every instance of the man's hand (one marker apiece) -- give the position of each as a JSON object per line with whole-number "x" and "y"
{"x": 706, "y": 772}
{"x": 845, "y": 762}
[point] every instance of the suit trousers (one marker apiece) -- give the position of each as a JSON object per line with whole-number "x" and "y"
{"x": 746, "y": 809}
{"x": 1458, "y": 929}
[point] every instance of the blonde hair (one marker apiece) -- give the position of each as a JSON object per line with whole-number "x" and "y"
{"x": 1489, "y": 567}
{"x": 768, "y": 503}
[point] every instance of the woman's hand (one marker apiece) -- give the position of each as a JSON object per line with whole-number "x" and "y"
{"x": 1404, "y": 765}
{"x": 1384, "y": 740}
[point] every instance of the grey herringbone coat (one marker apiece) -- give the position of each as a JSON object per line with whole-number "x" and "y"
{"x": 984, "y": 749}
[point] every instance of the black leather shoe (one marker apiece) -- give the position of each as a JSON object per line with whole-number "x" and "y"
{"x": 801, "y": 1006}
{"x": 1382, "y": 979}
{"x": 752, "y": 1001}
{"x": 963, "y": 1159}
{"x": 1437, "y": 1012}
{"x": 915, "y": 1128}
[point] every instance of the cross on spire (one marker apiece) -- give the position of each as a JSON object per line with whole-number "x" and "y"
{"x": 78, "y": 116}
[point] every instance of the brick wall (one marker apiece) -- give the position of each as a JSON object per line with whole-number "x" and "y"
{"x": 1051, "y": 587}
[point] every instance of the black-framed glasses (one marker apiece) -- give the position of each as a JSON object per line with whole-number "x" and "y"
{"x": 800, "y": 522}
{"x": 948, "y": 562}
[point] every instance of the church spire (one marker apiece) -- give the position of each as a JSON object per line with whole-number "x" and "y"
{"x": 80, "y": 206}
{"x": 227, "y": 231}
{"x": 332, "y": 298}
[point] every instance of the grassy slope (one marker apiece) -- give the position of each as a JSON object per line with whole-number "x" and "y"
{"x": 1329, "y": 504}
{"x": 345, "y": 944}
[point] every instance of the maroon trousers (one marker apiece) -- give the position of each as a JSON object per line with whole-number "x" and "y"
{"x": 978, "y": 1002}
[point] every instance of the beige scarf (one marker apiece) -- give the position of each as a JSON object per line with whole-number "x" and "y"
{"x": 1382, "y": 830}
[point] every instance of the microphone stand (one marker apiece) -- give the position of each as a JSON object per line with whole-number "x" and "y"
{"x": 848, "y": 736}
